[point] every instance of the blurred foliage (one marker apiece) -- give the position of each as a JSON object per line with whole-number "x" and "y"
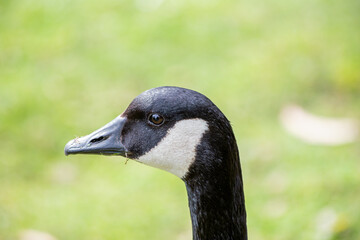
{"x": 68, "y": 67}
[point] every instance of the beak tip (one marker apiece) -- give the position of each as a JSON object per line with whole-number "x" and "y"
{"x": 67, "y": 147}
{"x": 66, "y": 152}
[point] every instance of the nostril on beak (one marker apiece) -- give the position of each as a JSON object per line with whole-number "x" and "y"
{"x": 96, "y": 140}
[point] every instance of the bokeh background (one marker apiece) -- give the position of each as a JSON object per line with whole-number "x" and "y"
{"x": 68, "y": 67}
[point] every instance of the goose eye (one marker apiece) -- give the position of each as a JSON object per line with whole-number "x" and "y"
{"x": 156, "y": 119}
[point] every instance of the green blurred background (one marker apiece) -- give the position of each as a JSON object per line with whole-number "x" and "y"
{"x": 68, "y": 67}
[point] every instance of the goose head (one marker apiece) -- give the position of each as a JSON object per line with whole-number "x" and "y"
{"x": 182, "y": 132}
{"x": 162, "y": 128}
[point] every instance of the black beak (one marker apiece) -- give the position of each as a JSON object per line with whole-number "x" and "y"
{"x": 105, "y": 140}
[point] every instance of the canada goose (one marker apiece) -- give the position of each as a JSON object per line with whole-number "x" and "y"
{"x": 181, "y": 131}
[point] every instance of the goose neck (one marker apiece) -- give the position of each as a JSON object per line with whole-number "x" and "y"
{"x": 217, "y": 206}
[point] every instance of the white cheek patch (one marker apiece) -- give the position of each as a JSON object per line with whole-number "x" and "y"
{"x": 176, "y": 151}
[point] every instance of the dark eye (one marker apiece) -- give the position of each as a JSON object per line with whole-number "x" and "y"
{"x": 156, "y": 119}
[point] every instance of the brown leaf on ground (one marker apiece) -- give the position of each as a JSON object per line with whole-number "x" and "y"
{"x": 318, "y": 130}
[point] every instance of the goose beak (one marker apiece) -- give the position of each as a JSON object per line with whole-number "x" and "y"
{"x": 105, "y": 141}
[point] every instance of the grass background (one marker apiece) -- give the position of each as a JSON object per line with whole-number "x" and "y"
{"x": 68, "y": 67}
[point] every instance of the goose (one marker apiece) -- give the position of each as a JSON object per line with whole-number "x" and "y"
{"x": 182, "y": 132}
